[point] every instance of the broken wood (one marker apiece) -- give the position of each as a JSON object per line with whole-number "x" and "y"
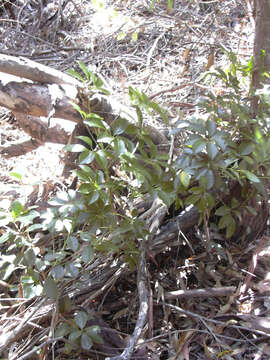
{"x": 45, "y": 94}
{"x": 36, "y": 99}
{"x": 40, "y": 133}
{"x": 28, "y": 69}
{"x": 29, "y": 88}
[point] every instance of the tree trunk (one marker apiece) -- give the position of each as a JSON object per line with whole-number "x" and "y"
{"x": 261, "y": 49}
{"x": 261, "y": 42}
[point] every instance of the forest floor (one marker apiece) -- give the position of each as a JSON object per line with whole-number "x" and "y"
{"x": 165, "y": 53}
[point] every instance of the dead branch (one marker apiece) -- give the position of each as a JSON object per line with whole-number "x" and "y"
{"x": 28, "y": 69}
{"x": 36, "y": 99}
{"x": 20, "y": 149}
{"x": 169, "y": 233}
{"x": 143, "y": 295}
{"x": 227, "y": 324}
{"x": 47, "y": 89}
{"x": 201, "y": 293}
{"x": 40, "y": 133}
{"x": 38, "y": 128}
{"x": 17, "y": 332}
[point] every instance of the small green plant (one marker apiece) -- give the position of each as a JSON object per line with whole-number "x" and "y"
{"x": 78, "y": 333}
{"x": 117, "y": 164}
{"x": 18, "y": 253}
{"x": 103, "y": 200}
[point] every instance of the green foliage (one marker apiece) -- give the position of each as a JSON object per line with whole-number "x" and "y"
{"x": 18, "y": 254}
{"x": 226, "y": 145}
{"x": 120, "y": 162}
{"x": 78, "y": 333}
{"x": 89, "y": 78}
{"x": 103, "y": 200}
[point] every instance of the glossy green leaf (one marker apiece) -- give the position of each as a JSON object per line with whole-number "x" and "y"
{"x": 250, "y": 176}
{"x": 84, "y": 69}
{"x": 101, "y": 158}
{"x": 76, "y": 75}
{"x": 246, "y": 148}
{"x": 192, "y": 199}
{"x": 62, "y": 330}
{"x": 119, "y": 147}
{"x": 87, "y": 171}
{"x": 210, "y": 201}
{"x": 87, "y": 236}
{"x": 211, "y": 127}
{"x": 72, "y": 243}
{"x": 230, "y": 229}
{"x": 86, "y": 342}
{"x": 212, "y": 150}
{"x": 86, "y": 157}
{"x": 199, "y": 146}
{"x": 86, "y": 188}
{"x": 93, "y": 197}
{"x": 87, "y": 254}
{"x": 74, "y": 148}
{"x": 96, "y": 123}
{"x": 81, "y": 319}
{"x": 16, "y": 208}
{"x": 221, "y": 142}
{"x": 185, "y": 179}
{"x": 4, "y": 237}
{"x": 74, "y": 335}
{"x": 119, "y": 126}
{"x": 58, "y": 272}
{"x": 225, "y": 221}
{"x": 71, "y": 270}
{"x": 94, "y": 332}
{"x": 50, "y": 288}
{"x": 222, "y": 210}
{"x": 210, "y": 179}
{"x": 105, "y": 139}
{"x": 29, "y": 257}
{"x": 261, "y": 188}
{"x": 87, "y": 140}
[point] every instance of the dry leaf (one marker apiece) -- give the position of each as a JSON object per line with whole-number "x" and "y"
{"x": 186, "y": 53}
{"x": 210, "y": 61}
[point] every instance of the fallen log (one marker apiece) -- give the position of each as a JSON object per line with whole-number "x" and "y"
{"x": 28, "y": 69}
{"x": 23, "y": 96}
{"x": 40, "y": 133}
{"x": 29, "y": 88}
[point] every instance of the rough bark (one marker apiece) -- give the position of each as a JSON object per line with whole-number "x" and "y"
{"x": 35, "y": 99}
{"x": 261, "y": 41}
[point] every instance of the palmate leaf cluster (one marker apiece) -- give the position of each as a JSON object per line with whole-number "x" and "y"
{"x": 118, "y": 163}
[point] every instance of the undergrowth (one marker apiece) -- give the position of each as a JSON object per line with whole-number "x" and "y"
{"x": 119, "y": 163}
